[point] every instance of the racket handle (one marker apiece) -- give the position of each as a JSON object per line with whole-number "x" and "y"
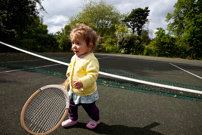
{"x": 65, "y": 84}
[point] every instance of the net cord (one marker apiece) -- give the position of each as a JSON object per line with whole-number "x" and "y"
{"x": 108, "y": 74}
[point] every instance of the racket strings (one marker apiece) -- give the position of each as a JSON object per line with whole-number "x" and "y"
{"x": 43, "y": 119}
{"x": 34, "y": 115}
{"x": 45, "y": 110}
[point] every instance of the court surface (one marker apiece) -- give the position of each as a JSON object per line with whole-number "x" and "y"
{"x": 122, "y": 111}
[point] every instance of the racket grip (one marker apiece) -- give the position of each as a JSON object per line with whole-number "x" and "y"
{"x": 65, "y": 84}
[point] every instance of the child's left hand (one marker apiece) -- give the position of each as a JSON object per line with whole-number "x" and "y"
{"x": 78, "y": 84}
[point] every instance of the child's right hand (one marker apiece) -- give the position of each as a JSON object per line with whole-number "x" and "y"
{"x": 78, "y": 84}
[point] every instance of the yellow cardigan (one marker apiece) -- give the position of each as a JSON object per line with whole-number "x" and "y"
{"x": 85, "y": 69}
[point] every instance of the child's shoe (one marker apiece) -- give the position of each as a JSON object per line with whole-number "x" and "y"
{"x": 69, "y": 123}
{"x": 92, "y": 124}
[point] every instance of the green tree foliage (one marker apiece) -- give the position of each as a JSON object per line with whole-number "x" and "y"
{"x": 110, "y": 45}
{"x": 131, "y": 44}
{"x": 121, "y": 30}
{"x": 185, "y": 22}
{"x": 64, "y": 39}
{"x": 33, "y": 29}
{"x": 36, "y": 37}
{"x": 98, "y": 15}
{"x": 20, "y": 24}
{"x": 65, "y": 43}
{"x": 136, "y": 19}
{"x": 47, "y": 43}
{"x": 16, "y": 15}
{"x": 41, "y": 43}
{"x": 162, "y": 45}
{"x": 145, "y": 37}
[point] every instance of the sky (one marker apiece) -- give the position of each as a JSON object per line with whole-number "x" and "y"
{"x": 58, "y": 11}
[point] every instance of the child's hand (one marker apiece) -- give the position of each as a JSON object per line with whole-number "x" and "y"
{"x": 68, "y": 75}
{"x": 78, "y": 84}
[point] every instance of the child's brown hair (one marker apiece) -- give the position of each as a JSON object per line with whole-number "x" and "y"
{"x": 87, "y": 33}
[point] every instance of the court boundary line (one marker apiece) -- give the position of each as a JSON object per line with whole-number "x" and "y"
{"x": 21, "y": 61}
{"x": 103, "y": 58}
{"x": 8, "y": 71}
{"x": 186, "y": 71}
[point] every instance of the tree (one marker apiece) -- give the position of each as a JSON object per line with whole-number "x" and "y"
{"x": 63, "y": 38}
{"x": 145, "y": 37}
{"x": 177, "y": 18}
{"x": 136, "y": 19}
{"x": 33, "y": 29}
{"x": 131, "y": 44}
{"x": 185, "y": 22}
{"x": 162, "y": 45}
{"x": 99, "y": 15}
{"x": 122, "y": 30}
{"x": 16, "y": 15}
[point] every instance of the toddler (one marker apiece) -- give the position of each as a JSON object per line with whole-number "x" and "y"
{"x": 82, "y": 74}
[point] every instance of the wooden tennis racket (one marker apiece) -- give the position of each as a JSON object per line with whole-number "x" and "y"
{"x": 45, "y": 109}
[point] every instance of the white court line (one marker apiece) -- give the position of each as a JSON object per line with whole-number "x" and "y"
{"x": 11, "y": 71}
{"x": 185, "y": 71}
{"x": 104, "y": 57}
{"x": 8, "y": 71}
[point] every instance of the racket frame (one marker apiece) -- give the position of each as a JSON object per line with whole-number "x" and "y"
{"x": 61, "y": 87}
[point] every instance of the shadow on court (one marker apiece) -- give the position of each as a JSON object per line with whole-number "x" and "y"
{"x": 106, "y": 129}
{"x": 122, "y": 111}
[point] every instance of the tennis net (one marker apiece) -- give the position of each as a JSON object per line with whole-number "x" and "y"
{"x": 57, "y": 65}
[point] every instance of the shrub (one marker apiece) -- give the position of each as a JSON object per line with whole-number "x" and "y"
{"x": 149, "y": 50}
{"x": 65, "y": 43}
{"x": 30, "y": 44}
{"x": 47, "y": 42}
{"x": 110, "y": 45}
{"x": 131, "y": 44}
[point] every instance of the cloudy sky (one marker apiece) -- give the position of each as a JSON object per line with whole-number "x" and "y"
{"x": 58, "y": 11}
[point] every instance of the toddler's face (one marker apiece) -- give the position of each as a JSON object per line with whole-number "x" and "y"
{"x": 79, "y": 46}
